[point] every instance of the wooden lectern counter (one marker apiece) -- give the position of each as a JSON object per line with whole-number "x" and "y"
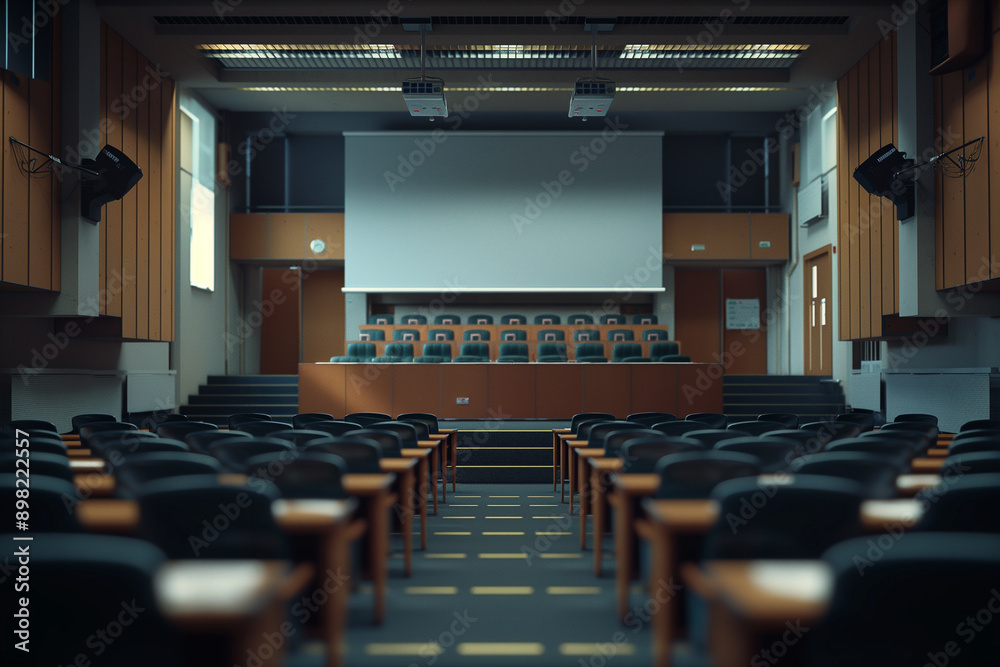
{"x": 496, "y": 391}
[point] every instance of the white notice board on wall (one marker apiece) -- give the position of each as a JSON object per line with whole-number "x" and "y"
{"x": 742, "y": 313}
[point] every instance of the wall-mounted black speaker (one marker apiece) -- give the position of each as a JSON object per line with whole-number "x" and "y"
{"x": 958, "y": 34}
{"x": 116, "y": 175}
{"x": 878, "y": 176}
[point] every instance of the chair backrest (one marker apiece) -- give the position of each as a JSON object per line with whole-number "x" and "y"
{"x": 797, "y": 520}
{"x": 300, "y": 437}
{"x": 194, "y": 516}
{"x": 362, "y": 455}
{"x": 613, "y": 440}
{"x": 202, "y": 441}
{"x": 551, "y": 335}
{"x": 152, "y": 421}
{"x": 89, "y": 430}
{"x": 588, "y": 351}
{"x": 678, "y": 427}
{"x": 710, "y": 436}
{"x": 917, "y": 417}
{"x": 513, "y": 334}
{"x": 481, "y": 350}
{"x": 233, "y": 454}
{"x": 311, "y": 475}
{"x": 900, "y": 451}
{"x": 53, "y": 503}
{"x": 480, "y": 318}
{"x": 513, "y": 319}
{"x": 811, "y": 441}
{"x": 399, "y": 350}
{"x": 620, "y": 334}
{"x": 902, "y": 610}
{"x": 116, "y": 453}
{"x": 47, "y": 443}
{"x": 977, "y": 433}
{"x": 583, "y": 428}
{"x": 612, "y": 319}
{"x": 407, "y": 432}
{"x": 622, "y": 351}
{"x": 438, "y": 350}
{"x": 713, "y": 419}
{"x": 390, "y": 441}
{"x": 337, "y": 428}
{"x": 405, "y": 334}
{"x": 775, "y": 454}
{"x": 80, "y": 583}
{"x": 371, "y": 334}
{"x": 970, "y": 445}
{"x": 662, "y": 348}
{"x": 584, "y": 335}
{"x": 237, "y": 419}
{"x": 580, "y": 318}
{"x": 876, "y": 474}
{"x": 645, "y": 319}
{"x": 930, "y": 431}
{"x": 447, "y": 318}
{"x": 135, "y": 472}
{"x": 362, "y": 351}
{"x": 649, "y": 418}
{"x": 581, "y": 417}
{"x": 786, "y": 419}
{"x": 440, "y": 334}
{"x": 261, "y": 429}
{"x": 642, "y": 454}
{"x": 674, "y": 358}
{"x": 180, "y": 430}
{"x": 866, "y": 420}
{"x": 974, "y": 462}
{"x": 303, "y": 419}
{"x": 476, "y": 334}
{"x": 365, "y": 418}
{"x": 422, "y": 428}
{"x": 552, "y": 351}
{"x": 597, "y": 433}
{"x": 97, "y": 441}
{"x": 12, "y": 427}
{"x": 413, "y": 319}
{"x": 425, "y": 417}
{"x": 89, "y": 418}
{"x": 380, "y": 319}
{"x": 547, "y": 318}
{"x": 757, "y": 427}
{"x": 833, "y": 430}
{"x": 517, "y": 349}
{"x": 660, "y": 336}
{"x": 41, "y": 464}
{"x": 976, "y": 424}
{"x": 696, "y": 474}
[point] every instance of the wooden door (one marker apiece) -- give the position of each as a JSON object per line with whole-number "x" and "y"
{"x": 818, "y": 287}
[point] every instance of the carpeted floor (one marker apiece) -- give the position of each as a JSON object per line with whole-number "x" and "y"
{"x": 503, "y": 583}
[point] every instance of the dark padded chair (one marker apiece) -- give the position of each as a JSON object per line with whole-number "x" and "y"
{"x": 551, "y": 335}
{"x": 479, "y": 318}
{"x": 406, "y": 334}
{"x": 430, "y": 420}
{"x": 904, "y": 608}
{"x": 970, "y": 445}
{"x": 513, "y": 319}
{"x": 89, "y": 418}
{"x": 303, "y": 419}
{"x": 408, "y": 433}
{"x": 84, "y": 583}
{"x": 833, "y": 430}
{"x": 675, "y": 359}
{"x": 12, "y": 427}
{"x": 696, "y": 474}
{"x": 775, "y": 454}
{"x": 580, "y": 318}
{"x": 797, "y": 520}
{"x": 918, "y": 439}
{"x": 515, "y": 352}
{"x": 917, "y": 417}
{"x": 612, "y": 319}
{"x": 583, "y": 428}
{"x": 98, "y": 441}
{"x": 977, "y": 424}
{"x": 40, "y": 464}
{"x": 173, "y": 513}
{"x": 380, "y": 319}
{"x": 642, "y": 454}
{"x": 116, "y": 453}
{"x": 202, "y": 441}
{"x": 390, "y": 442}
{"x": 371, "y": 334}
{"x": 233, "y": 454}
{"x": 581, "y": 417}
{"x": 423, "y": 429}
{"x": 52, "y": 506}
{"x": 812, "y": 441}
{"x": 647, "y": 318}
{"x": 440, "y": 334}
{"x": 547, "y": 318}
{"x": 627, "y": 353}
{"x": 614, "y": 439}
{"x": 585, "y": 335}
{"x": 650, "y": 418}
{"x": 866, "y": 420}
{"x": 658, "y": 336}
{"x": 89, "y": 430}
{"x": 589, "y": 353}
{"x": 357, "y": 353}
{"x": 395, "y": 353}
{"x": 876, "y": 473}
{"x": 677, "y": 427}
{"x": 977, "y": 433}
{"x": 300, "y": 437}
{"x": 900, "y": 452}
{"x": 413, "y": 319}
{"x": 597, "y": 432}
{"x": 476, "y": 334}
{"x": 757, "y": 427}
{"x": 552, "y": 353}
{"x": 786, "y": 419}
{"x": 237, "y": 419}
{"x": 365, "y": 418}
{"x": 435, "y": 353}
{"x": 712, "y": 419}
{"x": 447, "y": 318}
{"x": 136, "y": 472}
{"x": 620, "y": 335}
{"x": 710, "y": 436}
{"x": 361, "y": 455}
{"x": 974, "y": 463}
{"x": 513, "y": 334}
{"x": 660, "y": 349}
{"x": 263, "y": 429}
{"x": 151, "y": 422}
{"x": 48, "y": 445}
{"x": 336, "y": 428}
{"x": 180, "y": 430}
{"x": 312, "y": 475}
{"x": 473, "y": 353}
{"x": 929, "y": 431}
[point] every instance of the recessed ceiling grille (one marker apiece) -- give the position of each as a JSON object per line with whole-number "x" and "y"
{"x": 233, "y": 20}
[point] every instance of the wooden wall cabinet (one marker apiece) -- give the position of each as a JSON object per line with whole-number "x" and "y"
{"x": 694, "y": 237}
{"x": 270, "y": 236}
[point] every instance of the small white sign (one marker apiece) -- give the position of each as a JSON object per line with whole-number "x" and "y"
{"x": 742, "y": 314}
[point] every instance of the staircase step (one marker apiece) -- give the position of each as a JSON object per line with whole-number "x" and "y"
{"x": 248, "y": 399}
{"x": 248, "y": 389}
{"x": 253, "y": 379}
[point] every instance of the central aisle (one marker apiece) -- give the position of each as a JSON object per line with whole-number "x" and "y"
{"x": 503, "y": 584}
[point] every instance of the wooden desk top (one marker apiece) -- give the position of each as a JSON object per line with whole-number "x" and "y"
{"x": 398, "y": 465}
{"x": 772, "y": 592}
{"x": 367, "y": 484}
{"x": 637, "y": 484}
{"x": 927, "y": 465}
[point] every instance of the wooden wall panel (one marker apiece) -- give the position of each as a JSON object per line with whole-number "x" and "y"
{"x": 607, "y": 388}
{"x": 744, "y": 351}
{"x": 366, "y": 388}
{"x": 863, "y": 245}
{"x": 279, "y": 331}
{"x": 977, "y": 192}
{"x": 104, "y": 125}
{"x": 463, "y": 381}
{"x": 699, "y": 388}
{"x": 40, "y": 189}
{"x": 415, "y": 388}
{"x": 144, "y": 299}
{"x": 852, "y": 250}
{"x": 939, "y": 202}
{"x": 168, "y": 198}
{"x": 247, "y": 235}
{"x": 843, "y": 214}
{"x": 696, "y": 308}
{"x": 654, "y": 388}
{"x": 322, "y": 388}
{"x": 510, "y": 391}
{"x": 286, "y": 235}
{"x": 771, "y": 228}
{"x": 323, "y": 314}
{"x": 330, "y": 228}
{"x": 154, "y": 178}
{"x": 952, "y": 189}
{"x": 889, "y": 299}
{"x": 558, "y": 393}
{"x": 15, "y": 201}
{"x": 993, "y": 146}
{"x": 56, "y": 257}
{"x": 130, "y": 231}
{"x": 875, "y": 203}
{"x": 111, "y": 217}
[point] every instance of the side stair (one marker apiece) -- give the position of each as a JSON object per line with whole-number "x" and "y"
{"x": 223, "y": 395}
{"x": 812, "y": 397}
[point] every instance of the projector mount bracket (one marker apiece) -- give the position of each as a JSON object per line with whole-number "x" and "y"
{"x": 953, "y": 167}
{"x": 34, "y": 162}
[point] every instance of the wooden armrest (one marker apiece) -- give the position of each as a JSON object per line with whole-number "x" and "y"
{"x": 297, "y": 580}
{"x": 695, "y": 578}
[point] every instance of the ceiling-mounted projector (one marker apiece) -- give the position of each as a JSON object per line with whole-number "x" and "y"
{"x": 591, "y": 97}
{"x": 425, "y": 97}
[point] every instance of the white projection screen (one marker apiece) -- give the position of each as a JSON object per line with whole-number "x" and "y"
{"x": 503, "y": 211}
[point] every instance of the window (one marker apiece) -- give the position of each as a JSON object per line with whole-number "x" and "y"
{"x": 197, "y": 160}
